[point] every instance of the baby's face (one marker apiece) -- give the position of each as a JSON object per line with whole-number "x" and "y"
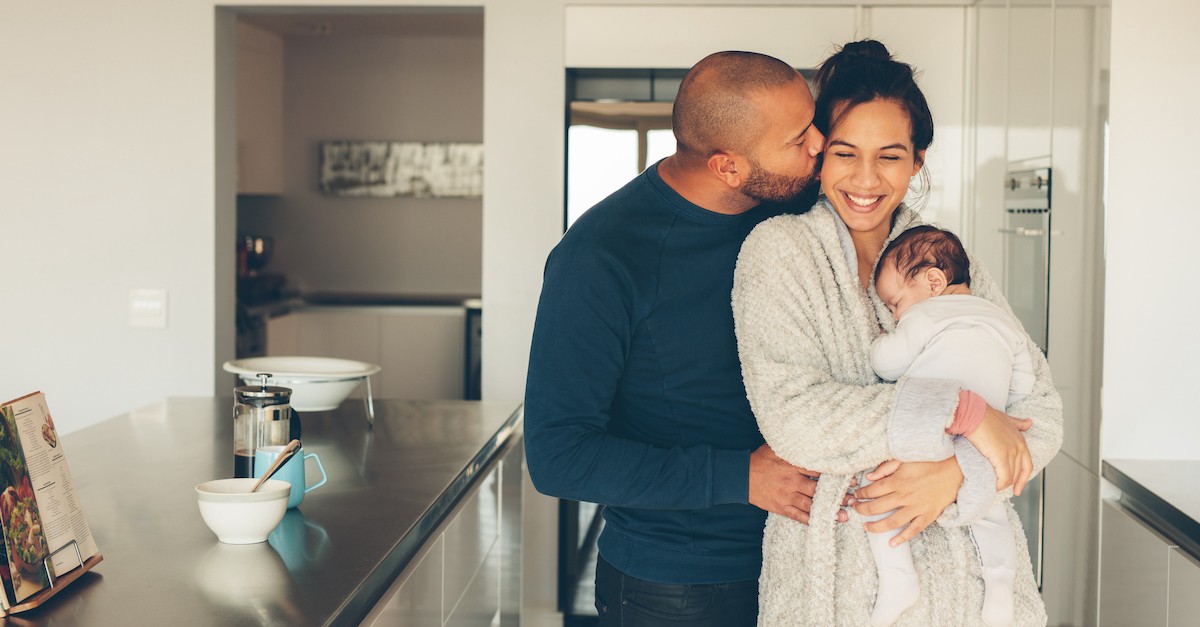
{"x": 900, "y": 294}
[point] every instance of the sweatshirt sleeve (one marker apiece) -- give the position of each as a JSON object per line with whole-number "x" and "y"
{"x": 893, "y": 353}
{"x": 786, "y": 307}
{"x": 577, "y": 357}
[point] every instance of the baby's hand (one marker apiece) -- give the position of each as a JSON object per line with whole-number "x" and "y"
{"x": 1000, "y": 440}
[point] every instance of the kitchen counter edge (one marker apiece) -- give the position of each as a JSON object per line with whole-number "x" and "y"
{"x": 373, "y": 588}
{"x": 1143, "y": 486}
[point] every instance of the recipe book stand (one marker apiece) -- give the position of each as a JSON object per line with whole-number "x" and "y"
{"x": 56, "y": 583}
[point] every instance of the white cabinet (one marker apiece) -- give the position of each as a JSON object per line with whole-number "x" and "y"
{"x": 1133, "y": 570}
{"x": 1183, "y": 608}
{"x": 470, "y": 574}
{"x": 1030, "y": 80}
{"x": 259, "y": 111}
{"x": 421, "y": 350}
{"x": 1071, "y": 535}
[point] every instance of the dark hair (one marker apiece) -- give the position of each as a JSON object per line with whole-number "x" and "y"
{"x": 713, "y": 110}
{"x": 863, "y": 71}
{"x": 926, "y": 246}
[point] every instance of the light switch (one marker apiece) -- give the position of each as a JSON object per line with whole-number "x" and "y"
{"x": 148, "y": 308}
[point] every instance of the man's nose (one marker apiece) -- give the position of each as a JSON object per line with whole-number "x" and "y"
{"x": 818, "y": 142}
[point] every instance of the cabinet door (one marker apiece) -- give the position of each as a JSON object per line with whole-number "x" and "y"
{"x": 1133, "y": 571}
{"x": 471, "y": 550}
{"x": 1184, "y": 607}
{"x": 512, "y": 474}
{"x": 418, "y": 601}
{"x": 339, "y": 333}
{"x": 282, "y": 334}
{"x": 423, "y": 353}
{"x": 1071, "y": 535}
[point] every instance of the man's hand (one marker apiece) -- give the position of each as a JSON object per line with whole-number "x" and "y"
{"x": 781, "y": 488}
{"x": 918, "y": 491}
{"x": 999, "y": 439}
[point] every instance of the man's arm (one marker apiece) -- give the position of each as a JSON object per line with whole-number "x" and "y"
{"x": 577, "y": 358}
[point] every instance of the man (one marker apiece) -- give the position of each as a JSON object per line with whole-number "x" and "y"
{"x": 634, "y": 397}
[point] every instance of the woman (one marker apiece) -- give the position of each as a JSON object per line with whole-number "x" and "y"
{"x": 806, "y": 315}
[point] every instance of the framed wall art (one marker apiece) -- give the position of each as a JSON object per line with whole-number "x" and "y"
{"x": 386, "y": 169}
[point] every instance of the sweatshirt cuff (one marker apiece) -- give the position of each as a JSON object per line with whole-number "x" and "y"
{"x": 731, "y": 477}
{"x": 917, "y": 426}
{"x": 977, "y": 495}
{"x": 969, "y": 414}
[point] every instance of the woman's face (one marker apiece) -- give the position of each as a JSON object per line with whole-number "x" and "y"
{"x": 869, "y": 160}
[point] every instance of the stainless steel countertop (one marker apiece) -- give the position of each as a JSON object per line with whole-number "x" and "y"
{"x": 302, "y": 301}
{"x": 328, "y": 561}
{"x": 1165, "y": 492}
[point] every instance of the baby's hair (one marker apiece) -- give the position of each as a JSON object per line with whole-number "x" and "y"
{"x": 926, "y": 246}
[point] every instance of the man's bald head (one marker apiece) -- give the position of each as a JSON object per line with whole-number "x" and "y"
{"x": 714, "y": 110}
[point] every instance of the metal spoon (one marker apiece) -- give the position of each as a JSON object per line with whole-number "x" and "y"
{"x": 284, "y": 455}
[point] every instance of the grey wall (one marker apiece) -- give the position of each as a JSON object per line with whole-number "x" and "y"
{"x": 403, "y": 88}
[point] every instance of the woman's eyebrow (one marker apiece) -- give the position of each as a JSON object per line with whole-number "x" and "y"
{"x": 839, "y": 142}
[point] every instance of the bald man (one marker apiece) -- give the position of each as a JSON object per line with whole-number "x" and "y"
{"x": 634, "y": 397}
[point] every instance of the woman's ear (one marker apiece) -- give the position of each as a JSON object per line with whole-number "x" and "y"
{"x": 937, "y": 280}
{"x": 727, "y": 167}
{"x": 918, "y": 162}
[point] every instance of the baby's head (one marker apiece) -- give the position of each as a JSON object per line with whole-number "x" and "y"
{"x": 921, "y": 262}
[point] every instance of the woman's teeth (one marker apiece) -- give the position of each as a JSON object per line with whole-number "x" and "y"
{"x": 863, "y": 201}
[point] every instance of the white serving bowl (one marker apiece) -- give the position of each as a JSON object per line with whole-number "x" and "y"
{"x": 239, "y": 516}
{"x": 317, "y": 383}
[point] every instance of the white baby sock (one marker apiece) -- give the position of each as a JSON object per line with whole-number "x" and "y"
{"x": 998, "y": 596}
{"x": 898, "y": 586}
{"x": 998, "y": 556}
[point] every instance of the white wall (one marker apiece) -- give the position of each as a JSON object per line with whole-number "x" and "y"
{"x": 1150, "y": 335}
{"x": 107, "y": 177}
{"x": 411, "y": 87}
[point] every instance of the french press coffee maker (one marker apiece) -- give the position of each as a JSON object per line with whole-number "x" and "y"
{"x": 262, "y": 416}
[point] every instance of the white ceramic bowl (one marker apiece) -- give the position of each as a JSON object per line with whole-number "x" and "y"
{"x": 317, "y": 383}
{"x": 239, "y": 516}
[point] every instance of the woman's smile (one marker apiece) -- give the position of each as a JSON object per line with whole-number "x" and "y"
{"x": 866, "y": 204}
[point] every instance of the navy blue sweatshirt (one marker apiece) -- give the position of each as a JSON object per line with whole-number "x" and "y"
{"x": 634, "y": 397}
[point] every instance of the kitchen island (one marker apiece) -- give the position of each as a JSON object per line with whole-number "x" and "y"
{"x": 1150, "y": 542}
{"x": 434, "y": 482}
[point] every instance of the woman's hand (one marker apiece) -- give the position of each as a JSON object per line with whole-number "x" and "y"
{"x": 999, "y": 439}
{"x": 918, "y": 491}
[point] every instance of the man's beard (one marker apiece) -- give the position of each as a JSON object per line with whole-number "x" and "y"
{"x": 766, "y": 186}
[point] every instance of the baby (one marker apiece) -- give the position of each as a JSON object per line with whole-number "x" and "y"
{"x": 959, "y": 337}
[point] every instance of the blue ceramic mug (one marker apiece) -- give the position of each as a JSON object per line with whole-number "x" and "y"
{"x": 292, "y": 470}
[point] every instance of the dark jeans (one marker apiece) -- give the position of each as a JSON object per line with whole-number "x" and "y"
{"x": 625, "y": 601}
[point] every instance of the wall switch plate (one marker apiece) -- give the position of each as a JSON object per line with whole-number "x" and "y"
{"x": 148, "y": 308}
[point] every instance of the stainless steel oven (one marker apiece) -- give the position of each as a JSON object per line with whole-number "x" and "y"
{"x": 1027, "y": 231}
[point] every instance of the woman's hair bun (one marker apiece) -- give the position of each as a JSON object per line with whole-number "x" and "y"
{"x": 866, "y": 49}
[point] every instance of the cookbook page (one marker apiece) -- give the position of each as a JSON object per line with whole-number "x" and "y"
{"x": 25, "y": 542}
{"x": 62, "y": 517}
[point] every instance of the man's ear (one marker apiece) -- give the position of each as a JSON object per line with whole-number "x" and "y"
{"x": 731, "y": 168}
{"x": 936, "y": 279}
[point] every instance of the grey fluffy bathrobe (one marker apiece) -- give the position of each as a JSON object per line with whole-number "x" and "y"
{"x": 804, "y": 331}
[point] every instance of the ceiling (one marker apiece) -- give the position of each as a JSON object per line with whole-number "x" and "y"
{"x": 377, "y": 22}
